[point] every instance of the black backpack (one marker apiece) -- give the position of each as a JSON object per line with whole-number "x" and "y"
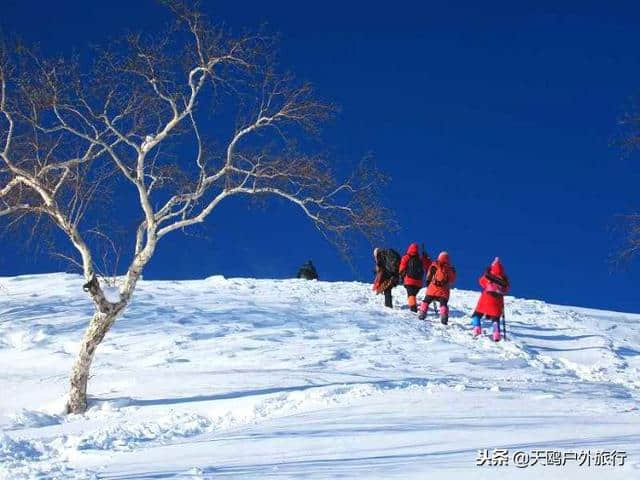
{"x": 415, "y": 269}
{"x": 391, "y": 260}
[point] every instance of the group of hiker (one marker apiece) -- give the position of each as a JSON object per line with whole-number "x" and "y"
{"x": 415, "y": 269}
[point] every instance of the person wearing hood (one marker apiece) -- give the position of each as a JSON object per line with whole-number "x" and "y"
{"x": 495, "y": 285}
{"x": 412, "y": 268}
{"x": 440, "y": 276}
{"x": 386, "y": 264}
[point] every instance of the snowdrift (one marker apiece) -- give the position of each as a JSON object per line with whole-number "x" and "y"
{"x": 244, "y": 378}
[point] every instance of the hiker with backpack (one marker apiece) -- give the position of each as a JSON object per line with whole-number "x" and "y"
{"x": 412, "y": 268}
{"x": 387, "y": 261}
{"x": 440, "y": 276}
{"x": 495, "y": 285}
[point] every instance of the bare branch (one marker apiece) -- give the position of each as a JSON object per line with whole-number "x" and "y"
{"x": 183, "y": 119}
{"x": 629, "y": 142}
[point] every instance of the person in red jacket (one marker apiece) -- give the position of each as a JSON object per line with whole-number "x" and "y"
{"x": 440, "y": 276}
{"x": 412, "y": 268}
{"x": 495, "y": 285}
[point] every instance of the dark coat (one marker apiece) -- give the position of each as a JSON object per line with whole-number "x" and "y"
{"x": 308, "y": 271}
{"x": 386, "y": 277}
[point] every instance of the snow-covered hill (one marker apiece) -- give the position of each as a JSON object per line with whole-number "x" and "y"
{"x": 245, "y": 378}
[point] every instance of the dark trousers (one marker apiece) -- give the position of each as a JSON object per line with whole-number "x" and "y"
{"x": 388, "y": 300}
{"x": 411, "y": 293}
{"x": 430, "y": 299}
{"x": 411, "y": 290}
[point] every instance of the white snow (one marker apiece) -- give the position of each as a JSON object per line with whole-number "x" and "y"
{"x": 243, "y": 378}
{"x": 111, "y": 293}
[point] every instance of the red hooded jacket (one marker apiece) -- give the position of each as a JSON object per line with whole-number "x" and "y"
{"x": 413, "y": 251}
{"x": 495, "y": 285}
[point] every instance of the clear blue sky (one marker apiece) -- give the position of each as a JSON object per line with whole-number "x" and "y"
{"x": 494, "y": 120}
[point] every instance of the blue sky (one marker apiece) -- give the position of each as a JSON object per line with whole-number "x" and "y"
{"x": 494, "y": 121}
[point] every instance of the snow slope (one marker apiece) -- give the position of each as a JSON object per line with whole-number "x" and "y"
{"x": 245, "y": 378}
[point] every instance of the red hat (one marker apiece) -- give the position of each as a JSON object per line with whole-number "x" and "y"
{"x": 413, "y": 249}
{"x": 496, "y": 267}
{"x": 443, "y": 257}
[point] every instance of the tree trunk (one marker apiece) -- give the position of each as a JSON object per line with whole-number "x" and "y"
{"x": 98, "y": 328}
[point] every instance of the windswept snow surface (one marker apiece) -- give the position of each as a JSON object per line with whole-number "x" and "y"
{"x": 243, "y": 378}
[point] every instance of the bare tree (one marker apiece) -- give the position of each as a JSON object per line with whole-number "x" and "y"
{"x": 632, "y": 247}
{"x": 144, "y": 118}
{"x": 629, "y": 141}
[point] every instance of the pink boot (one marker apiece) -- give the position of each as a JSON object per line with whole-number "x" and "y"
{"x": 444, "y": 314}
{"x": 477, "y": 331}
{"x": 424, "y": 306}
{"x": 496, "y": 332}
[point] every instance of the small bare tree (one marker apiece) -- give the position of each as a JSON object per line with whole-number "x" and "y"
{"x": 630, "y": 142}
{"x": 141, "y": 121}
{"x": 632, "y": 247}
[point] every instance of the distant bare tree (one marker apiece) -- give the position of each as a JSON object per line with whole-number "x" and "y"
{"x": 632, "y": 247}
{"x": 73, "y": 140}
{"x": 630, "y": 142}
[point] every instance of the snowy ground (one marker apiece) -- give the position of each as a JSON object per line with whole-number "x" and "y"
{"x": 250, "y": 378}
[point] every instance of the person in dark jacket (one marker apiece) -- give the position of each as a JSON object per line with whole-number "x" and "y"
{"x": 308, "y": 271}
{"x": 387, "y": 261}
